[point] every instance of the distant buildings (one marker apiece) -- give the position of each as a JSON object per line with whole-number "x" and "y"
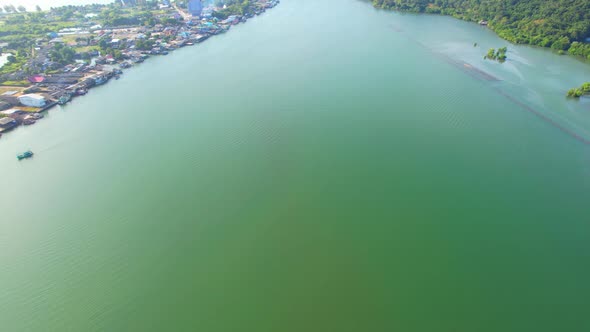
{"x": 32, "y": 100}
{"x": 129, "y": 3}
{"x": 207, "y": 12}
{"x": 195, "y": 7}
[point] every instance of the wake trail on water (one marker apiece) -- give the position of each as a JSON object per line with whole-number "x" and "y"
{"x": 56, "y": 145}
{"x": 544, "y": 117}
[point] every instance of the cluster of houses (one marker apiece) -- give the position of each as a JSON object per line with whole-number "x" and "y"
{"x": 24, "y": 107}
{"x": 20, "y": 108}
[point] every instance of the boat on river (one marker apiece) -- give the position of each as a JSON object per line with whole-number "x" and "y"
{"x": 25, "y": 155}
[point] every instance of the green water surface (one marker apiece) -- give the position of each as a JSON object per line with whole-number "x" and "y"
{"x": 323, "y": 167}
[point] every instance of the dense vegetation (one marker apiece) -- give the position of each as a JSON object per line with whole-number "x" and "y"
{"x": 116, "y": 16}
{"x": 499, "y": 55}
{"x": 62, "y": 54}
{"x": 233, "y": 7}
{"x": 563, "y": 25}
{"x": 579, "y": 92}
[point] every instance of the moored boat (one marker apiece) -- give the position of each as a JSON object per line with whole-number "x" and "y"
{"x": 64, "y": 99}
{"x": 100, "y": 80}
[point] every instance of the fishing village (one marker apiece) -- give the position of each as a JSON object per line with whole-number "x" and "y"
{"x": 42, "y": 68}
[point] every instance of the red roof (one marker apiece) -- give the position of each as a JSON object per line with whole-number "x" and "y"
{"x": 37, "y": 79}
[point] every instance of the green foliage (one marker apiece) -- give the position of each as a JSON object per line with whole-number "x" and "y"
{"x": 234, "y": 7}
{"x": 583, "y": 90}
{"x": 16, "y": 83}
{"x": 14, "y": 64}
{"x": 580, "y": 49}
{"x": 144, "y": 44}
{"x": 30, "y": 26}
{"x": 62, "y": 54}
{"x": 499, "y": 55}
{"x": 562, "y": 44}
{"x": 9, "y": 9}
{"x": 558, "y": 24}
{"x": 116, "y": 17}
{"x": 491, "y": 54}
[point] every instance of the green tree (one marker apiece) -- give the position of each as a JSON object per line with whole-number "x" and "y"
{"x": 583, "y": 90}
{"x": 103, "y": 44}
{"x": 143, "y": 44}
{"x": 562, "y": 44}
{"x": 491, "y": 54}
{"x": 62, "y": 54}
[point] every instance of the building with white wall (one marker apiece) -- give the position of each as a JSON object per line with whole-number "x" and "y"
{"x": 32, "y": 100}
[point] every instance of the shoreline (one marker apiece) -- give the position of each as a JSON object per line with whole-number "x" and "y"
{"x": 77, "y": 79}
{"x": 487, "y": 25}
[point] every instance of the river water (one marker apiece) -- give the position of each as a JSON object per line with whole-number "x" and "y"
{"x": 324, "y": 167}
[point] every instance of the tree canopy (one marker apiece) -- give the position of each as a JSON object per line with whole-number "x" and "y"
{"x": 583, "y": 90}
{"x": 62, "y": 54}
{"x": 233, "y": 7}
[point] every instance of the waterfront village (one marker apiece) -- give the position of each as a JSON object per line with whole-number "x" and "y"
{"x": 51, "y": 56}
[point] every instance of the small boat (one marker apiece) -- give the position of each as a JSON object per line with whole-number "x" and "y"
{"x": 64, "y": 99}
{"x": 100, "y": 80}
{"x": 25, "y": 155}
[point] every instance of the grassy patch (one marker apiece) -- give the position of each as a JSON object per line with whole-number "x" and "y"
{"x": 4, "y": 88}
{"x": 84, "y": 49}
{"x": 16, "y": 83}
{"x": 30, "y": 109}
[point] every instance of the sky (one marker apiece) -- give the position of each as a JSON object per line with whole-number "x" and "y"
{"x": 46, "y": 4}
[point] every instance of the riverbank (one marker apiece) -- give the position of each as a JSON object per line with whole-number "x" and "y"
{"x": 108, "y": 53}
